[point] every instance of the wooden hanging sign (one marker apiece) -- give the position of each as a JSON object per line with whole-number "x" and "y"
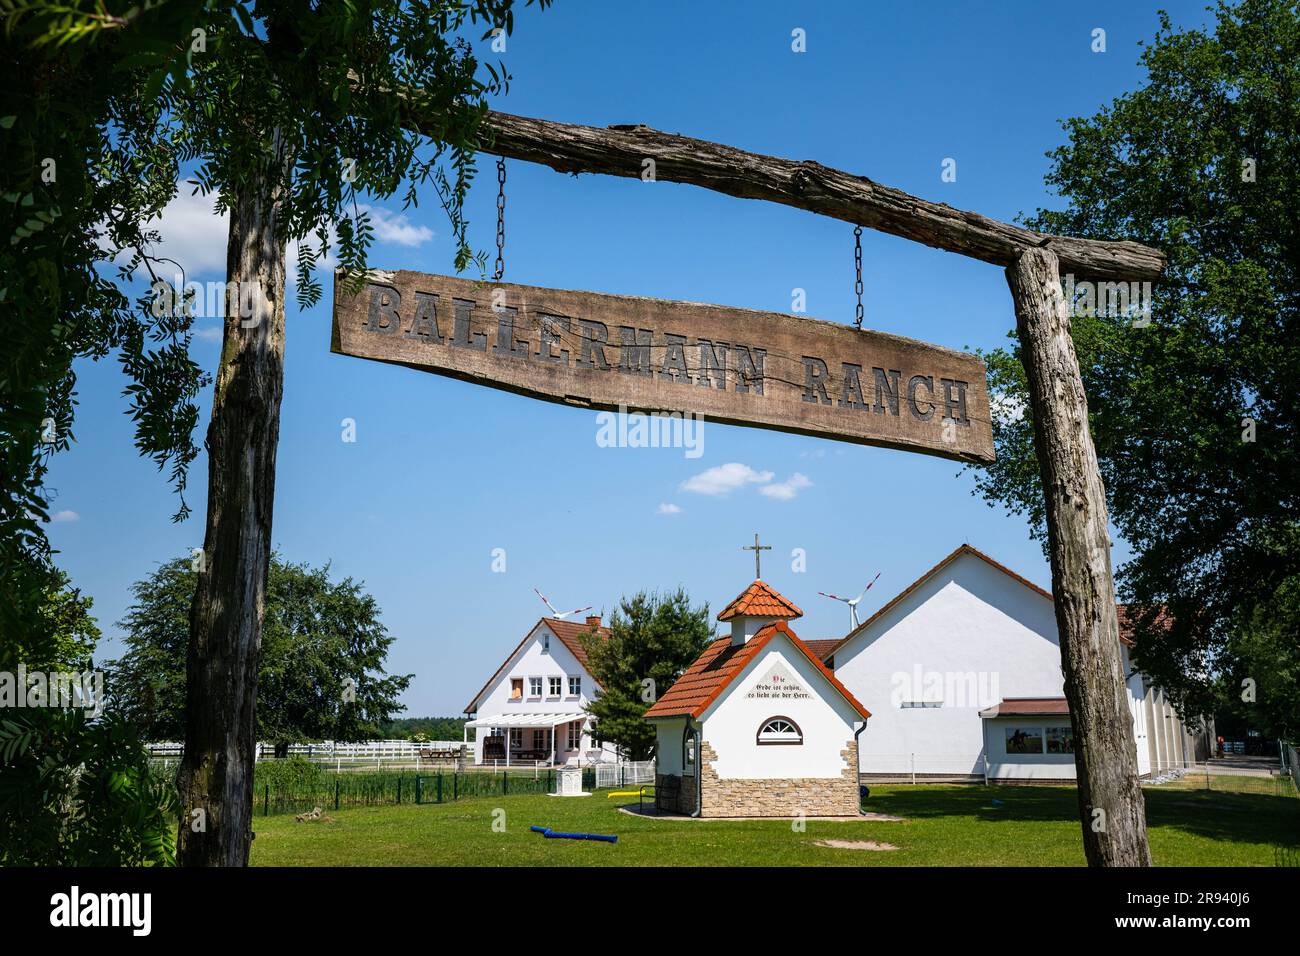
{"x": 737, "y": 366}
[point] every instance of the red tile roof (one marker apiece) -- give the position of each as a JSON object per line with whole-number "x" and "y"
{"x": 566, "y": 631}
{"x": 714, "y": 670}
{"x": 759, "y": 600}
{"x": 1028, "y": 707}
{"x": 1125, "y": 630}
{"x": 569, "y": 633}
{"x": 1128, "y": 622}
{"x": 823, "y": 648}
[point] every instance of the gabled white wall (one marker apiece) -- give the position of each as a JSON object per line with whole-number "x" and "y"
{"x": 825, "y": 717}
{"x": 985, "y": 633}
{"x": 969, "y": 620}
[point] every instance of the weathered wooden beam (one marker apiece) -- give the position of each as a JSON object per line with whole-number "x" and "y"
{"x": 624, "y": 150}
{"x": 1111, "y": 805}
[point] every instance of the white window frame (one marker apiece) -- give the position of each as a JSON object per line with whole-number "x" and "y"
{"x": 535, "y": 688}
{"x": 555, "y": 686}
{"x": 575, "y": 735}
{"x": 778, "y": 730}
{"x": 575, "y": 685}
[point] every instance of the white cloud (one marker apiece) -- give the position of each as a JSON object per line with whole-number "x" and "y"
{"x": 396, "y": 228}
{"x": 668, "y": 508}
{"x": 785, "y": 490}
{"x": 209, "y": 334}
{"x": 63, "y": 516}
{"x": 192, "y": 234}
{"x": 724, "y": 479}
{"x": 195, "y": 236}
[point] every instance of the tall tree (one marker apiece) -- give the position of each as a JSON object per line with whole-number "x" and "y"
{"x": 1193, "y": 407}
{"x": 291, "y": 120}
{"x": 321, "y": 672}
{"x": 652, "y": 639}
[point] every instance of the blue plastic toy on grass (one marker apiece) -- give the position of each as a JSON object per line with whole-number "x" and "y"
{"x": 554, "y": 835}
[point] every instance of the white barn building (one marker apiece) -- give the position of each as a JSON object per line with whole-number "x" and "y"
{"x": 534, "y": 707}
{"x": 964, "y": 669}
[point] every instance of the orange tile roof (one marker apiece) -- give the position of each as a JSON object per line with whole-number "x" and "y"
{"x": 1125, "y": 629}
{"x": 566, "y": 631}
{"x": 759, "y": 600}
{"x": 720, "y": 663}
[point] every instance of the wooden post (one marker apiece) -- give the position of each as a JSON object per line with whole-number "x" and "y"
{"x": 1111, "y": 805}
{"x": 216, "y": 774}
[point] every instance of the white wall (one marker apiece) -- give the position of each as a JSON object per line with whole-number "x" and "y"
{"x": 827, "y": 720}
{"x": 532, "y": 661}
{"x": 668, "y": 745}
{"x": 984, "y": 634}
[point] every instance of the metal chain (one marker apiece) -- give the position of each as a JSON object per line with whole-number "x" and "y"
{"x": 857, "y": 265}
{"x": 501, "y": 218}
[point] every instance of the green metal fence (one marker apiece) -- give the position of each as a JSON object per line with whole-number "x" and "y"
{"x": 341, "y": 790}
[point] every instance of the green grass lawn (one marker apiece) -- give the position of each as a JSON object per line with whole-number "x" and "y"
{"x": 1236, "y": 824}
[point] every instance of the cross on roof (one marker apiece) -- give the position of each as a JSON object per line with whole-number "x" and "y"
{"x": 756, "y": 548}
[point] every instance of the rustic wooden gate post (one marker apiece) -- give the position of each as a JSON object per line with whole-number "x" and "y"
{"x": 216, "y": 772}
{"x": 1111, "y": 804}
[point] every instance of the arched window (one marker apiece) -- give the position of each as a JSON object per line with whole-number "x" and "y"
{"x": 779, "y": 730}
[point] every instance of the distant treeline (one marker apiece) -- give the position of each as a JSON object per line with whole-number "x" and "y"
{"x": 433, "y": 728}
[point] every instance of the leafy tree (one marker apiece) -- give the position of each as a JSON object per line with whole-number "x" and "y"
{"x": 1261, "y": 684}
{"x": 651, "y": 637}
{"x": 80, "y": 792}
{"x": 292, "y": 115}
{"x": 1195, "y": 416}
{"x": 84, "y": 163}
{"x": 64, "y": 634}
{"x": 319, "y": 636}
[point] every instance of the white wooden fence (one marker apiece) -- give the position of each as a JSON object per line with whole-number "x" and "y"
{"x": 377, "y": 753}
{"x": 625, "y": 773}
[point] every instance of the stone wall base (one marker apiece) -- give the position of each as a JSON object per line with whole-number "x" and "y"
{"x": 782, "y": 797}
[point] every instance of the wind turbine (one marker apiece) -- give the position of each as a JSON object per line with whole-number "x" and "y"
{"x": 851, "y": 602}
{"x": 556, "y": 614}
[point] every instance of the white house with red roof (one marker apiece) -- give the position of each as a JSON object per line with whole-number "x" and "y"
{"x": 533, "y": 708}
{"x": 757, "y": 725}
{"x": 964, "y": 670}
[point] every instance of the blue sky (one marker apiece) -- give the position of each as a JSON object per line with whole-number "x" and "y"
{"x": 442, "y": 472}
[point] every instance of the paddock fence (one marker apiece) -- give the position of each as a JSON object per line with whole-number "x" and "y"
{"x": 338, "y": 791}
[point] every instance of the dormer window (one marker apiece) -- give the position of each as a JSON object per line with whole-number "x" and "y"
{"x": 779, "y": 730}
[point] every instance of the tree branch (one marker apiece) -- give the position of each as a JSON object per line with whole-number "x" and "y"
{"x": 622, "y": 151}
